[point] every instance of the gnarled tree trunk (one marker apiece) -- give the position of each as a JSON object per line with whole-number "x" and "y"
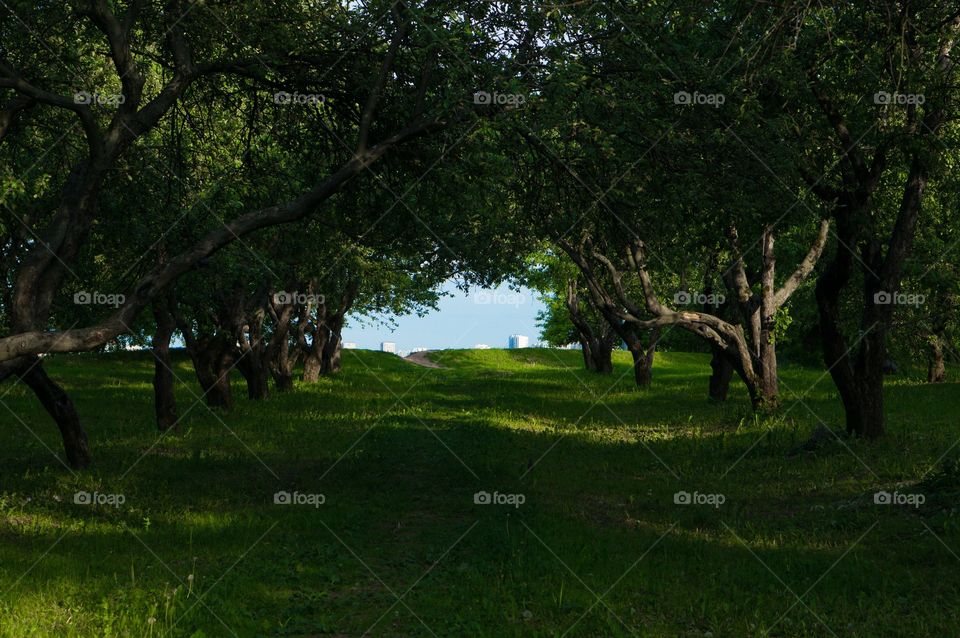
{"x": 642, "y": 352}
{"x": 322, "y": 356}
{"x": 282, "y": 355}
{"x": 58, "y": 404}
{"x": 744, "y": 353}
{"x": 312, "y": 352}
{"x": 597, "y": 346}
{"x": 213, "y": 365}
{"x": 330, "y": 363}
{"x": 257, "y": 375}
{"x": 936, "y": 369}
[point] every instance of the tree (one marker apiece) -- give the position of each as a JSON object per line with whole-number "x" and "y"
{"x": 886, "y": 154}
{"x": 383, "y": 97}
{"x": 569, "y": 317}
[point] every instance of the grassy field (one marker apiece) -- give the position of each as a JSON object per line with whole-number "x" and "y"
{"x": 587, "y": 538}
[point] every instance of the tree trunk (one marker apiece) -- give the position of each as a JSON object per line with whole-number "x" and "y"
{"x": 331, "y": 354}
{"x": 768, "y": 385}
{"x": 602, "y": 355}
{"x": 255, "y": 374}
{"x": 282, "y": 368}
{"x": 212, "y": 366}
{"x": 220, "y": 394}
{"x": 864, "y": 401}
{"x": 597, "y": 348}
{"x": 858, "y": 376}
{"x": 751, "y": 380}
{"x": 165, "y": 402}
{"x": 311, "y": 366}
{"x": 588, "y": 362}
{"x": 860, "y": 381}
{"x": 597, "y": 355}
{"x": 279, "y": 359}
{"x": 283, "y": 380}
{"x": 722, "y": 374}
{"x": 643, "y": 354}
{"x": 58, "y": 404}
{"x": 936, "y": 370}
{"x": 641, "y": 371}
{"x": 313, "y": 351}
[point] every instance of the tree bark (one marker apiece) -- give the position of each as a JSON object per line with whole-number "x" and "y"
{"x": 165, "y": 403}
{"x": 602, "y": 356}
{"x": 58, "y": 404}
{"x": 279, "y": 357}
{"x": 311, "y": 366}
{"x": 330, "y": 363}
{"x": 597, "y": 348}
{"x": 256, "y": 374}
{"x": 722, "y": 373}
{"x": 642, "y": 374}
{"x": 588, "y": 361}
{"x": 768, "y": 382}
{"x": 219, "y": 394}
{"x": 212, "y": 362}
{"x": 313, "y": 351}
{"x": 282, "y": 368}
{"x": 643, "y": 352}
{"x": 936, "y": 370}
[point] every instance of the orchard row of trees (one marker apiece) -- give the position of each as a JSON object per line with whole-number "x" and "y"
{"x": 698, "y": 147}
{"x": 243, "y": 175}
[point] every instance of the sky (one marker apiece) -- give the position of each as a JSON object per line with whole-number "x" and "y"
{"x": 484, "y": 315}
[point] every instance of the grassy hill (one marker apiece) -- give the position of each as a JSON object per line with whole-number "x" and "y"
{"x": 587, "y": 539}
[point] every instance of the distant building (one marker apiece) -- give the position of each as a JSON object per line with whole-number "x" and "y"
{"x": 518, "y": 341}
{"x": 419, "y": 350}
{"x": 481, "y": 346}
{"x": 388, "y": 346}
{"x": 349, "y": 345}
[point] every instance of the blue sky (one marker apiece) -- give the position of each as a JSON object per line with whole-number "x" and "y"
{"x": 484, "y": 315}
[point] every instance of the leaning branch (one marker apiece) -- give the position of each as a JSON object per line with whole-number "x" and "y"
{"x": 154, "y": 282}
{"x": 805, "y": 268}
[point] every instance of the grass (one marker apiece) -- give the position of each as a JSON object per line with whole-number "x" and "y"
{"x": 399, "y": 548}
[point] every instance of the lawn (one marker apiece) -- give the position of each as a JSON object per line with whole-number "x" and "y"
{"x": 386, "y": 460}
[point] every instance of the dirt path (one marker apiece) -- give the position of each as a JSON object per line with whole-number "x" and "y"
{"x": 420, "y": 359}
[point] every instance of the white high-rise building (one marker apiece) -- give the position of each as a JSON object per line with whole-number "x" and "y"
{"x": 388, "y": 346}
{"x": 518, "y": 341}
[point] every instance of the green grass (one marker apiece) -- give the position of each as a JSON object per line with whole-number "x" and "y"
{"x": 199, "y": 548}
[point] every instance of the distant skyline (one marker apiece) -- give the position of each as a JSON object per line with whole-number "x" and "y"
{"x": 482, "y": 316}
